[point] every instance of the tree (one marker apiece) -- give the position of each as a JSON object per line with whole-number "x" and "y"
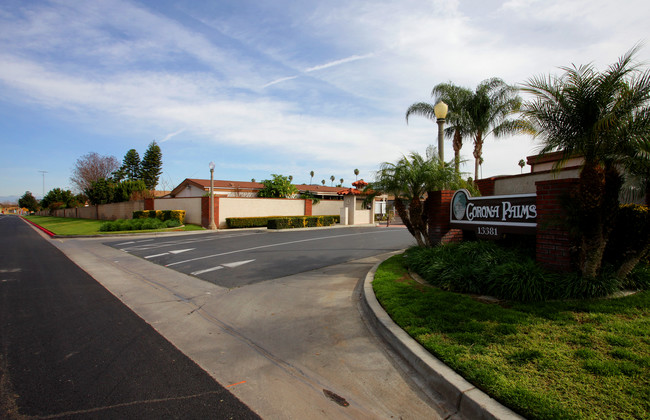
{"x": 151, "y": 166}
{"x": 278, "y": 187}
{"x": 332, "y": 178}
{"x": 59, "y": 199}
{"x": 456, "y": 98}
{"x": 487, "y": 112}
{"x": 604, "y": 117}
{"x": 409, "y": 180}
{"x": 356, "y": 174}
{"x": 323, "y": 182}
{"x": 341, "y": 180}
{"x": 28, "y": 202}
{"x": 130, "y": 167}
{"x": 521, "y": 164}
{"x": 253, "y": 180}
{"x": 91, "y": 167}
{"x": 311, "y": 174}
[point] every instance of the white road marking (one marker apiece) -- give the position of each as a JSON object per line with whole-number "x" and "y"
{"x": 274, "y": 245}
{"x": 10, "y": 270}
{"x": 179, "y": 251}
{"x": 207, "y": 270}
{"x": 236, "y": 264}
{"x": 157, "y": 255}
{"x": 125, "y": 243}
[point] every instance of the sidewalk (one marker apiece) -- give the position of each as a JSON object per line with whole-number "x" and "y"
{"x": 294, "y": 347}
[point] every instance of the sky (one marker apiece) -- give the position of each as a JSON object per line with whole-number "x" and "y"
{"x": 273, "y": 87}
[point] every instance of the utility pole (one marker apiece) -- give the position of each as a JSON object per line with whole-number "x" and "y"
{"x": 43, "y": 172}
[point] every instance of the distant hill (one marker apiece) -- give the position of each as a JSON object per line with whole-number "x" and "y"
{"x": 9, "y": 199}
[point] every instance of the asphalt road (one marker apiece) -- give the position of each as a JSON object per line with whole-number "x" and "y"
{"x": 70, "y": 349}
{"x": 238, "y": 258}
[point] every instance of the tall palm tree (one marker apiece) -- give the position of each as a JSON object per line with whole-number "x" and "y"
{"x": 456, "y": 98}
{"x": 311, "y": 174}
{"x": 356, "y": 174}
{"x": 323, "y": 182}
{"x": 604, "y": 117}
{"x": 341, "y": 181}
{"x": 488, "y": 111}
{"x": 332, "y": 178}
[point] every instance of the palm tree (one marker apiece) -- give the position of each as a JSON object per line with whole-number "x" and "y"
{"x": 311, "y": 174}
{"x": 456, "y": 98}
{"x": 341, "y": 181}
{"x": 487, "y": 112}
{"x": 356, "y": 174}
{"x": 409, "y": 180}
{"x": 323, "y": 182}
{"x": 332, "y": 178}
{"x": 521, "y": 164}
{"x": 603, "y": 117}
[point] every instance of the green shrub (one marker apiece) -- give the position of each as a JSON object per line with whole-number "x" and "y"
{"x": 302, "y": 221}
{"x": 247, "y": 222}
{"x": 483, "y": 267}
{"x": 285, "y": 222}
{"x": 121, "y": 225}
{"x": 162, "y": 215}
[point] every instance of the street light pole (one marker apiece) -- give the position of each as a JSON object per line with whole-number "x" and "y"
{"x": 212, "y": 225}
{"x": 440, "y": 110}
{"x": 43, "y": 172}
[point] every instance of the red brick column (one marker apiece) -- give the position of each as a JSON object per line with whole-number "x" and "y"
{"x": 485, "y": 186}
{"x": 553, "y": 241}
{"x": 149, "y": 204}
{"x": 438, "y": 221}
{"x": 205, "y": 211}
{"x": 308, "y": 207}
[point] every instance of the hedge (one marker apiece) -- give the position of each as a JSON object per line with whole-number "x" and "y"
{"x": 248, "y": 222}
{"x": 302, "y": 221}
{"x": 162, "y": 215}
{"x": 296, "y": 221}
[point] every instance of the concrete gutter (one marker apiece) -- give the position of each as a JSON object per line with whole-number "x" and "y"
{"x": 469, "y": 401}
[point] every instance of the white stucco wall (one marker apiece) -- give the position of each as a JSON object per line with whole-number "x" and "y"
{"x": 258, "y": 207}
{"x": 327, "y": 208}
{"x": 192, "y": 207}
{"x": 525, "y": 184}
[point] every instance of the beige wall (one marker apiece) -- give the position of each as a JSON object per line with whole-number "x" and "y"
{"x": 123, "y": 210}
{"x": 327, "y": 208}
{"x": 192, "y": 207}
{"x": 525, "y": 184}
{"x": 258, "y": 207}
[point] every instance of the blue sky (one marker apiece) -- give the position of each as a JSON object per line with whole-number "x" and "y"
{"x": 263, "y": 87}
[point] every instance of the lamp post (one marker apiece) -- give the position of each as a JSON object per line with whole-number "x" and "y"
{"x": 440, "y": 110}
{"x": 212, "y": 225}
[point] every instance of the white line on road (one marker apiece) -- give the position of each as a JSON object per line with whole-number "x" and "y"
{"x": 179, "y": 251}
{"x": 125, "y": 243}
{"x": 273, "y": 245}
{"x": 236, "y": 264}
{"x": 157, "y": 255}
{"x": 207, "y": 270}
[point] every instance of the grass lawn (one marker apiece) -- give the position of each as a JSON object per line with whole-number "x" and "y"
{"x": 69, "y": 226}
{"x": 556, "y": 360}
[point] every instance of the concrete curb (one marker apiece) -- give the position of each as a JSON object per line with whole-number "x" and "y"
{"x": 471, "y": 402}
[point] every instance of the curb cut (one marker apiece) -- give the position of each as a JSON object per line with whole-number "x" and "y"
{"x": 471, "y": 402}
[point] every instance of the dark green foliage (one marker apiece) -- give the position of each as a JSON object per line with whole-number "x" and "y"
{"x": 302, "y": 221}
{"x": 132, "y": 224}
{"x": 151, "y": 166}
{"x": 162, "y": 215}
{"x": 131, "y": 168}
{"x": 105, "y": 191}
{"x": 247, "y": 222}
{"x": 59, "y": 199}
{"x": 278, "y": 187}
{"x": 488, "y": 268}
{"x": 284, "y": 223}
{"x": 100, "y": 191}
{"x": 28, "y": 201}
